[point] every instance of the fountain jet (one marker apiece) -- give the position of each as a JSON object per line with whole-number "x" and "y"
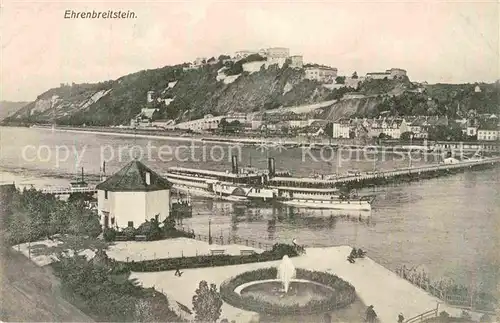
{"x": 286, "y": 272}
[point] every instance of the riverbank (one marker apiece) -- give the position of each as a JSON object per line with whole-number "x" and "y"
{"x": 313, "y": 142}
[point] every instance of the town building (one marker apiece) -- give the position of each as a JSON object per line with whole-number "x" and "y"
{"x": 296, "y": 124}
{"x": 243, "y": 54}
{"x": 208, "y": 122}
{"x": 277, "y": 55}
{"x": 323, "y": 74}
{"x": 296, "y": 61}
{"x": 132, "y": 196}
{"x": 166, "y": 124}
{"x": 150, "y": 96}
{"x": 488, "y": 132}
{"x": 144, "y": 118}
{"x": 191, "y": 67}
{"x": 418, "y": 126}
{"x": 256, "y": 124}
{"x": 199, "y": 61}
{"x": 341, "y": 128}
{"x": 389, "y": 74}
{"x": 477, "y": 89}
{"x": 353, "y": 95}
{"x": 237, "y": 116}
{"x": 392, "y": 127}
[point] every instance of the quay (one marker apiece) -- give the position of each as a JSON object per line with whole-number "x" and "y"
{"x": 358, "y": 181}
{"x": 412, "y": 173}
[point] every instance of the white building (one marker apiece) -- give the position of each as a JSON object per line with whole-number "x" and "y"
{"x": 341, "y": 128}
{"x": 200, "y": 61}
{"x": 389, "y": 126}
{"x": 209, "y": 122}
{"x": 241, "y": 117}
{"x": 150, "y": 96}
{"x": 389, "y": 74}
{"x": 131, "y": 196}
{"x": 321, "y": 74}
{"x": 243, "y": 53}
{"x": 298, "y": 123}
{"x": 488, "y": 134}
{"x": 277, "y": 55}
{"x": 353, "y": 95}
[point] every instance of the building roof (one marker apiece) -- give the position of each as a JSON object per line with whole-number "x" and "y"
{"x": 132, "y": 178}
{"x": 147, "y": 113}
{"x": 488, "y": 127}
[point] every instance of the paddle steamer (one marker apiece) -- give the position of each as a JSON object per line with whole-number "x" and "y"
{"x": 250, "y": 183}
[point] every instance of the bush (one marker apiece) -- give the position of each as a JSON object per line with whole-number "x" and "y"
{"x": 109, "y": 234}
{"x": 164, "y": 264}
{"x": 344, "y": 294}
{"x": 108, "y": 295}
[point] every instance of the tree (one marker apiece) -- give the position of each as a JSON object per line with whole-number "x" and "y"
{"x": 207, "y": 303}
{"x": 223, "y": 124}
{"x": 406, "y": 135}
{"x": 329, "y": 129}
{"x": 340, "y": 80}
{"x": 355, "y": 75}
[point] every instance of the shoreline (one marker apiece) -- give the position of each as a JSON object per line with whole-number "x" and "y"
{"x": 432, "y": 147}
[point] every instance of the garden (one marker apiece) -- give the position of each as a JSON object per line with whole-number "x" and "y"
{"x": 276, "y": 253}
{"x": 150, "y": 230}
{"x": 103, "y": 290}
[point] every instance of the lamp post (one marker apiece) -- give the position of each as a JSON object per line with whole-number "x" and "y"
{"x": 209, "y": 231}
{"x": 409, "y": 152}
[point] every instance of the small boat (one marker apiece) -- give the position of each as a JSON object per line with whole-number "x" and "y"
{"x": 359, "y": 204}
{"x": 80, "y": 182}
{"x": 235, "y": 198}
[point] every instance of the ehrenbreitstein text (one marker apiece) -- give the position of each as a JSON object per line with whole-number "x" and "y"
{"x": 109, "y": 14}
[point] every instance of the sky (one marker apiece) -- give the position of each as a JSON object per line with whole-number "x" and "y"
{"x": 435, "y": 41}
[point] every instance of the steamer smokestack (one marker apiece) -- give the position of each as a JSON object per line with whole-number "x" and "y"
{"x": 234, "y": 164}
{"x": 271, "y": 166}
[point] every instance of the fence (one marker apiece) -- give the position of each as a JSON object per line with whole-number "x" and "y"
{"x": 448, "y": 291}
{"x": 221, "y": 240}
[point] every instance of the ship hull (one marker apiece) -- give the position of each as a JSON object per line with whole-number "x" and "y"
{"x": 332, "y": 205}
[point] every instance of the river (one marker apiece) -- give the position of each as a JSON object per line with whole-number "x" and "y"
{"x": 450, "y": 225}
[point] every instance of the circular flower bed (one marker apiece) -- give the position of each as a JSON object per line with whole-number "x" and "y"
{"x": 343, "y": 293}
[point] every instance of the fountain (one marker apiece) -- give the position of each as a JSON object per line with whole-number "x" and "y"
{"x": 284, "y": 290}
{"x": 286, "y": 272}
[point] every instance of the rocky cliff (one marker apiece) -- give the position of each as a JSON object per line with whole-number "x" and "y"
{"x": 178, "y": 92}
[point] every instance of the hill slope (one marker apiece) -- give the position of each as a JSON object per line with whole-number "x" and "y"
{"x": 179, "y": 94}
{"x": 183, "y": 93}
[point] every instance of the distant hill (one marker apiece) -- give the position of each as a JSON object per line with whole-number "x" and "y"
{"x": 179, "y": 94}
{"x": 7, "y": 108}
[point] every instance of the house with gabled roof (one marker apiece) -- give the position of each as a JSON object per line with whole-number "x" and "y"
{"x": 133, "y": 195}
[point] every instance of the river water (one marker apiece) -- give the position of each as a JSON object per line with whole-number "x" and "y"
{"x": 450, "y": 226}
